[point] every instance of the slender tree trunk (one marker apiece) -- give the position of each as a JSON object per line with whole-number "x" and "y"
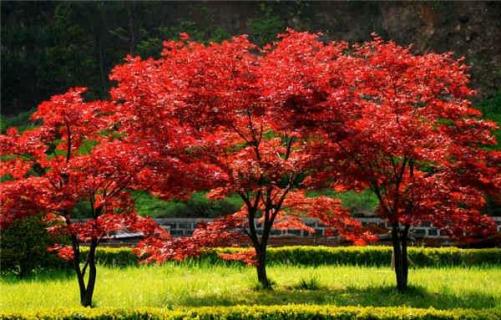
{"x": 86, "y": 290}
{"x": 260, "y": 250}
{"x": 259, "y": 243}
{"x": 401, "y": 262}
{"x": 81, "y": 287}
{"x": 91, "y": 281}
{"x": 405, "y": 258}
{"x": 76, "y": 267}
{"x": 261, "y": 267}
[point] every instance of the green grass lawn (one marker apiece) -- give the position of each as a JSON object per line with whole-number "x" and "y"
{"x": 184, "y": 285}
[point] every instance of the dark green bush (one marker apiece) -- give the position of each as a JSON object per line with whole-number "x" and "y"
{"x": 290, "y": 312}
{"x": 23, "y": 247}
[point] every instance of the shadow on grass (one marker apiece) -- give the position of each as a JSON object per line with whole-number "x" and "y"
{"x": 372, "y": 296}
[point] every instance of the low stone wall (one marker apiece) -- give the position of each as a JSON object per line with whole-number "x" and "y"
{"x": 424, "y": 234}
{"x": 185, "y": 227}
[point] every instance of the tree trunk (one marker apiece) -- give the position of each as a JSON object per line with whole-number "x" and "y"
{"x": 86, "y": 290}
{"x": 76, "y": 267}
{"x": 259, "y": 244}
{"x": 399, "y": 241}
{"x": 261, "y": 267}
{"x": 86, "y": 301}
{"x": 88, "y": 293}
{"x": 405, "y": 258}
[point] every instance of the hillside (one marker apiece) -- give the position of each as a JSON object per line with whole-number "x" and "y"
{"x": 50, "y": 46}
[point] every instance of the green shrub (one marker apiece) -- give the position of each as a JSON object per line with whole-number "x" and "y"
{"x": 321, "y": 255}
{"x": 264, "y": 29}
{"x": 23, "y": 247}
{"x": 291, "y": 312}
{"x": 21, "y": 121}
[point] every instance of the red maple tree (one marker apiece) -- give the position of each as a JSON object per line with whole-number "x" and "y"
{"x": 206, "y": 109}
{"x": 51, "y": 173}
{"x": 397, "y": 123}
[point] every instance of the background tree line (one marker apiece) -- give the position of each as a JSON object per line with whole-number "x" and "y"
{"x": 50, "y": 46}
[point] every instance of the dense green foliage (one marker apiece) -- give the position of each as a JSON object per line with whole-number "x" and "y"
{"x": 23, "y": 247}
{"x": 50, "y": 46}
{"x": 197, "y": 207}
{"x": 20, "y": 121}
{"x": 261, "y": 312}
{"x": 491, "y": 109}
{"x": 321, "y": 255}
{"x": 265, "y": 27}
{"x": 203, "y": 284}
{"x": 359, "y": 203}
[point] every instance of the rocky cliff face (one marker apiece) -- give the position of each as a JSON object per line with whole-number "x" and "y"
{"x": 470, "y": 29}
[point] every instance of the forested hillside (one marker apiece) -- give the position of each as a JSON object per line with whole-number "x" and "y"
{"x": 50, "y": 46}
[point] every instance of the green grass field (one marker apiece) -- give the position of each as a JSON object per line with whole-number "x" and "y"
{"x": 184, "y": 285}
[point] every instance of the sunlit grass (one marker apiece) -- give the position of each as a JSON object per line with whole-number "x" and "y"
{"x": 175, "y": 286}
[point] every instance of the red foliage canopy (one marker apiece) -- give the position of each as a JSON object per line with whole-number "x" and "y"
{"x": 51, "y": 171}
{"x": 397, "y": 123}
{"x": 208, "y": 110}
